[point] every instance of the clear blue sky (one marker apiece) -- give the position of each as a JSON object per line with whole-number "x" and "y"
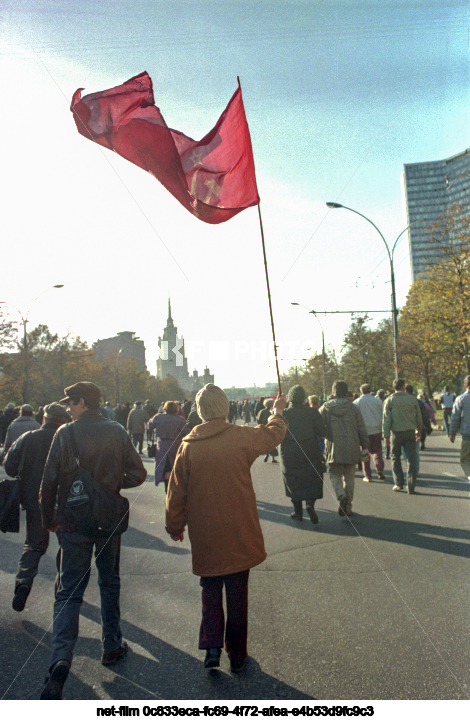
{"x": 338, "y": 96}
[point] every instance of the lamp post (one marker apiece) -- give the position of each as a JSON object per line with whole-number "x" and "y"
{"x": 313, "y": 312}
{"x": 392, "y": 277}
{"x": 24, "y": 320}
{"x": 118, "y": 379}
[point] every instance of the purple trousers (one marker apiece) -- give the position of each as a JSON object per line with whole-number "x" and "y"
{"x": 213, "y": 628}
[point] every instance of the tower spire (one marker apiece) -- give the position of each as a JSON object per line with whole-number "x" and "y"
{"x": 170, "y": 319}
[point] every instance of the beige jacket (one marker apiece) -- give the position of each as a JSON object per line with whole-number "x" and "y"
{"x": 211, "y": 491}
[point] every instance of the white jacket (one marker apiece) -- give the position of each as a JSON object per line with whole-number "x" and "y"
{"x": 371, "y": 411}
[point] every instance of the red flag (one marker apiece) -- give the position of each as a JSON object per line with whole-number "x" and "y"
{"x": 214, "y": 178}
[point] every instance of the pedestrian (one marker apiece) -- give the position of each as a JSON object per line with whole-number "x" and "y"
{"x": 187, "y": 405}
{"x": 427, "y": 427}
{"x": 423, "y": 397}
{"x": 301, "y": 460}
{"x": 409, "y": 389}
{"x": 24, "y": 422}
{"x": 246, "y": 412}
{"x": 104, "y": 450}
{"x": 447, "y": 401}
{"x": 460, "y": 423}
{"x": 108, "y": 411}
{"x": 259, "y": 406}
{"x": 211, "y": 491}
{"x": 402, "y": 421}
{"x": 193, "y": 418}
{"x": 170, "y": 428}
{"x": 11, "y": 412}
{"x": 121, "y": 414}
{"x": 346, "y": 435}
{"x": 39, "y": 415}
{"x": 371, "y": 411}
{"x": 136, "y": 425}
{"x": 262, "y": 418}
{"x": 26, "y": 460}
{"x": 232, "y": 412}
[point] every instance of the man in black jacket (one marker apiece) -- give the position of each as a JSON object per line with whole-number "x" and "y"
{"x": 106, "y": 452}
{"x": 26, "y": 459}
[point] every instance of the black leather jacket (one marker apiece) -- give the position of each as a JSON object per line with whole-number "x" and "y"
{"x": 105, "y": 450}
{"x": 27, "y": 458}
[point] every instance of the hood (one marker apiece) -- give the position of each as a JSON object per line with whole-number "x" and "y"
{"x": 338, "y": 406}
{"x": 209, "y": 429}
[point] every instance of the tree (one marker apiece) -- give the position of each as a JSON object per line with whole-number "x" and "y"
{"x": 168, "y": 389}
{"x": 39, "y": 371}
{"x": 310, "y": 374}
{"x": 368, "y": 354}
{"x": 8, "y": 332}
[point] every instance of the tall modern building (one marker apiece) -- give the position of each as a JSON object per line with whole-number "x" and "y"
{"x": 172, "y": 359}
{"x": 123, "y": 345}
{"x": 431, "y": 190}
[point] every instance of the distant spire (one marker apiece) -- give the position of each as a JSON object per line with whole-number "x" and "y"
{"x": 170, "y": 319}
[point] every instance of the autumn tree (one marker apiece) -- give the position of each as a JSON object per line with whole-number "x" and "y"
{"x": 309, "y": 374}
{"x": 367, "y": 354}
{"x": 39, "y": 371}
{"x": 168, "y": 389}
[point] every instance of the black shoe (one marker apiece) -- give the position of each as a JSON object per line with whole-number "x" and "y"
{"x": 296, "y": 516}
{"x": 19, "y": 599}
{"x": 343, "y": 504}
{"x": 112, "y": 656}
{"x": 266, "y": 458}
{"x": 313, "y": 514}
{"x": 238, "y": 666}
{"x": 52, "y": 691}
{"x": 274, "y": 460}
{"x": 212, "y": 659}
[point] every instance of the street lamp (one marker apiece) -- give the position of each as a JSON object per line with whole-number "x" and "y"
{"x": 24, "y": 320}
{"x": 392, "y": 277}
{"x": 322, "y": 345}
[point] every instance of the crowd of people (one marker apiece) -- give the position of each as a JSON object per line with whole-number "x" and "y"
{"x": 70, "y": 450}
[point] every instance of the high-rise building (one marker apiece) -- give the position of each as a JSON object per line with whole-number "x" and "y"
{"x": 172, "y": 359}
{"x": 120, "y": 347}
{"x": 433, "y": 190}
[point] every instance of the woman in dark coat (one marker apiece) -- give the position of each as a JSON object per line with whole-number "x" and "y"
{"x": 301, "y": 459}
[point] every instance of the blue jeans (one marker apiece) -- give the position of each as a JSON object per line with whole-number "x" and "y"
{"x": 76, "y": 559}
{"x": 447, "y": 414}
{"x": 407, "y": 441}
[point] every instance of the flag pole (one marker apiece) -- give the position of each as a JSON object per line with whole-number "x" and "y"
{"x": 269, "y": 297}
{"x": 267, "y": 283}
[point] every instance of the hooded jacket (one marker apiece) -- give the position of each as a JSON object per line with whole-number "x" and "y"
{"x": 211, "y": 490}
{"x": 346, "y": 431}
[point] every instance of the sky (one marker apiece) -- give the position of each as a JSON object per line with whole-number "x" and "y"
{"x": 338, "y": 95}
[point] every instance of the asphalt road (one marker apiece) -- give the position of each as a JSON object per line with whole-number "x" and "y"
{"x": 371, "y": 607}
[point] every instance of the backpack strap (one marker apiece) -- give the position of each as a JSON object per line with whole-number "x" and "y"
{"x": 73, "y": 441}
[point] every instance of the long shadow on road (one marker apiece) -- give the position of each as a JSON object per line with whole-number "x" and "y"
{"x": 153, "y": 669}
{"x": 443, "y": 539}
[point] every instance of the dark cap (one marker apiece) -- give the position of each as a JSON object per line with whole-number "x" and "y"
{"x": 84, "y": 389}
{"x": 57, "y": 413}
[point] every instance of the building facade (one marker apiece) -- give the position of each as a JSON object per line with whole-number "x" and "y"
{"x": 122, "y": 346}
{"x": 172, "y": 359}
{"x": 433, "y": 190}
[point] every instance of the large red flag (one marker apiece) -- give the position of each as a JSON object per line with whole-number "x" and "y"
{"x": 214, "y": 178}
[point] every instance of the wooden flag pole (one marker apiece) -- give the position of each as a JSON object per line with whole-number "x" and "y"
{"x": 269, "y": 298}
